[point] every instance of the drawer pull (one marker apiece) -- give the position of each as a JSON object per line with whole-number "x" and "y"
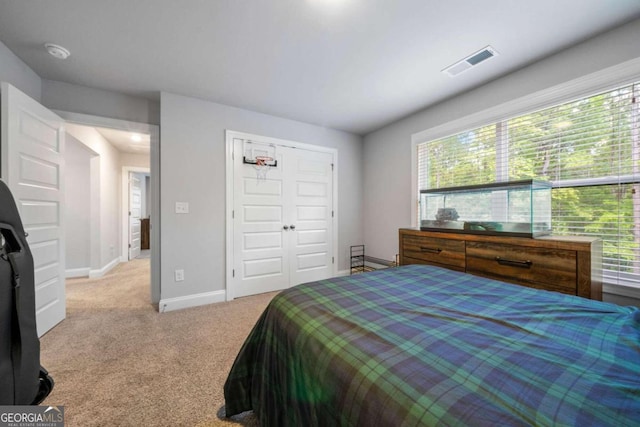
{"x": 431, "y": 250}
{"x": 514, "y": 263}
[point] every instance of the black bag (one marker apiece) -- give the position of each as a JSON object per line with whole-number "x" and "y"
{"x": 22, "y": 380}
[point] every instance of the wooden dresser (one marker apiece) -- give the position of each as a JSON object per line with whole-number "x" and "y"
{"x": 571, "y": 265}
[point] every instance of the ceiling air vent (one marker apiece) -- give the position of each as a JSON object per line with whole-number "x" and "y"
{"x": 470, "y": 61}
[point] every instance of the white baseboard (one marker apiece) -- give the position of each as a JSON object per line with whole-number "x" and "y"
{"x": 77, "y": 272}
{"x": 343, "y": 273}
{"x": 177, "y": 303}
{"x": 93, "y": 274}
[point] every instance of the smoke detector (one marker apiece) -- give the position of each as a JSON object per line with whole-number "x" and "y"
{"x": 470, "y": 61}
{"x": 57, "y": 51}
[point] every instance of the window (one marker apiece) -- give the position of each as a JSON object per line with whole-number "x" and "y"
{"x": 588, "y": 149}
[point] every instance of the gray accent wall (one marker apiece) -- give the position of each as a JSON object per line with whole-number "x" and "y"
{"x": 97, "y": 102}
{"x": 18, "y": 74}
{"x": 192, "y": 154}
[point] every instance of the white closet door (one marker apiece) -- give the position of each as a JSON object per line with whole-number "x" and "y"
{"x": 282, "y": 225}
{"x": 261, "y": 261}
{"x": 310, "y": 213}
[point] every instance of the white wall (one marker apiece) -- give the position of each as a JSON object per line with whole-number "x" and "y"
{"x": 192, "y": 154}
{"x": 135, "y": 160}
{"x": 109, "y": 183}
{"x": 77, "y": 207}
{"x": 16, "y": 72}
{"x": 388, "y": 202}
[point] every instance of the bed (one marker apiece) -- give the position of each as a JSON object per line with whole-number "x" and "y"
{"x": 423, "y": 345}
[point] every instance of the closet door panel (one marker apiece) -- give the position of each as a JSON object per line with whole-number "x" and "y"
{"x": 261, "y": 260}
{"x": 311, "y": 214}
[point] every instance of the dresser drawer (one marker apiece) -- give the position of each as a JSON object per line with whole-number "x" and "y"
{"x": 543, "y": 268}
{"x": 433, "y": 250}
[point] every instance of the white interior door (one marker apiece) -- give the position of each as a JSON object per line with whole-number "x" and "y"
{"x": 261, "y": 261}
{"x": 311, "y": 215}
{"x": 33, "y": 168}
{"x": 283, "y": 224}
{"x": 135, "y": 213}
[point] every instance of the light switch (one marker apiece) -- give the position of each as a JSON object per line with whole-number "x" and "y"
{"x": 182, "y": 207}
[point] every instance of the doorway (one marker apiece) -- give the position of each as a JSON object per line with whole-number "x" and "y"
{"x": 136, "y": 214}
{"x": 33, "y": 166}
{"x": 117, "y": 250}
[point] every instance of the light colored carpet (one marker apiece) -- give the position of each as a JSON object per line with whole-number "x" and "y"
{"x": 116, "y": 361}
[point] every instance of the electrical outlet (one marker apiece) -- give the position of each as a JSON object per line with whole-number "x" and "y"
{"x": 179, "y": 275}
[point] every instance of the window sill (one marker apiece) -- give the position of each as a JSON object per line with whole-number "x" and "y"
{"x": 621, "y": 290}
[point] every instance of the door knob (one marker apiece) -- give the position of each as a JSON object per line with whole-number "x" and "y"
{"x": 293, "y": 227}
{"x": 286, "y": 227}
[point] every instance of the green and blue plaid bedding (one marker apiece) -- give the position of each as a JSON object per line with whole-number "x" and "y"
{"x": 421, "y": 345}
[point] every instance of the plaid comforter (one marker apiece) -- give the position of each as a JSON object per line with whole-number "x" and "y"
{"x": 421, "y": 345}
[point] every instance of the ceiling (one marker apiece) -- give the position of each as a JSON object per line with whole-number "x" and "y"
{"x": 353, "y": 65}
{"x": 124, "y": 141}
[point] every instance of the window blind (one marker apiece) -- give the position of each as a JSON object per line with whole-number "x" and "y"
{"x": 589, "y": 149}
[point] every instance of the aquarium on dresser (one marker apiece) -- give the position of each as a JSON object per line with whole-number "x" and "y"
{"x": 516, "y": 208}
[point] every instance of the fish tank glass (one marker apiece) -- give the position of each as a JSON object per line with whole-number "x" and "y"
{"x": 515, "y": 208}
